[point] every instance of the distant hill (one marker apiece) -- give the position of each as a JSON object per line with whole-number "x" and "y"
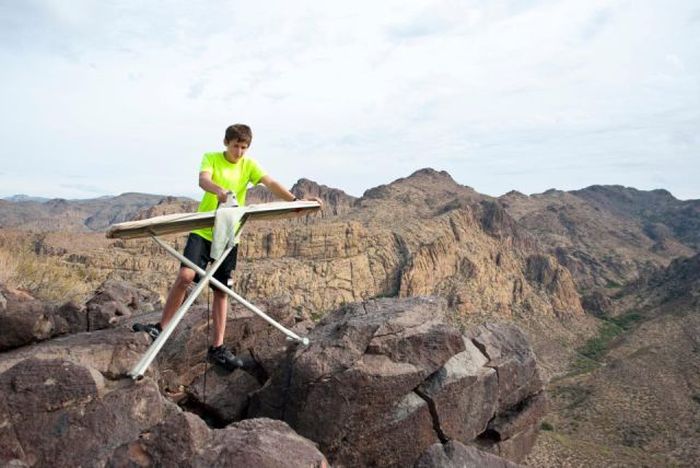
{"x": 22, "y": 197}
{"x": 609, "y": 235}
{"x": 58, "y": 214}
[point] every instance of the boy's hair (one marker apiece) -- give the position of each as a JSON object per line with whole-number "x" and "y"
{"x": 238, "y": 132}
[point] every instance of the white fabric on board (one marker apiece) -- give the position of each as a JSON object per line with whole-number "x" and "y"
{"x": 225, "y": 224}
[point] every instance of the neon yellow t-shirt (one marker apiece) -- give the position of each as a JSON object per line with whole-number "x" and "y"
{"x": 229, "y": 176}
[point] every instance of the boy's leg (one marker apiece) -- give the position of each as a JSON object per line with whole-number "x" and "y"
{"x": 177, "y": 294}
{"x": 220, "y": 305}
{"x": 197, "y": 251}
{"x": 219, "y": 308}
{"x": 218, "y": 352}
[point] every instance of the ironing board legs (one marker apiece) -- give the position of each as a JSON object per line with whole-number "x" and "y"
{"x": 206, "y": 277}
{"x": 138, "y": 371}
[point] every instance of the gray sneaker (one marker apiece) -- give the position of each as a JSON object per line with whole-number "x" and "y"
{"x": 221, "y": 356}
{"x": 153, "y": 329}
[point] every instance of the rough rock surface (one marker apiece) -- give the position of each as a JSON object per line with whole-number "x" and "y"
{"x": 184, "y": 440}
{"x": 182, "y": 358}
{"x": 223, "y": 395}
{"x": 464, "y": 394}
{"x": 456, "y": 455}
{"x": 45, "y": 401}
{"x": 112, "y": 352}
{"x": 380, "y": 383}
{"x": 508, "y": 352}
{"x": 116, "y": 300}
{"x": 25, "y": 320}
{"x": 385, "y": 379}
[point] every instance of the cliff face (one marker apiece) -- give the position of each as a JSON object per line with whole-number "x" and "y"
{"x": 608, "y": 236}
{"x": 421, "y": 235}
{"x": 534, "y": 259}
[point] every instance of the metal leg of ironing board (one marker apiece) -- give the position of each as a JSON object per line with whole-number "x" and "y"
{"x": 138, "y": 370}
{"x": 290, "y": 334}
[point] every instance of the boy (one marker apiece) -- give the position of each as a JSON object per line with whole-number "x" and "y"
{"x": 219, "y": 174}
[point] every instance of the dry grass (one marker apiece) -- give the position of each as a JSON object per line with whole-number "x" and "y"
{"x": 45, "y": 277}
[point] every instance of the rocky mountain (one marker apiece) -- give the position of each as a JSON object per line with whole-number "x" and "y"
{"x": 22, "y": 197}
{"x": 572, "y": 269}
{"x": 421, "y": 235}
{"x": 658, "y": 210}
{"x": 608, "y": 236}
{"x": 336, "y": 201}
{"x": 58, "y": 214}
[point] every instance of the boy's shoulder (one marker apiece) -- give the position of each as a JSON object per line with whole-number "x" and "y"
{"x": 213, "y": 154}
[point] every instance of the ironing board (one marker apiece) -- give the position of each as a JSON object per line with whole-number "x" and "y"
{"x": 175, "y": 223}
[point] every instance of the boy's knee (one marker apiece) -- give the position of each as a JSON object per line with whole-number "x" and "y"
{"x": 218, "y": 294}
{"x": 185, "y": 276}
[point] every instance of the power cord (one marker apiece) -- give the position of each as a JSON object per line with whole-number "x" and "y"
{"x": 206, "y": 350}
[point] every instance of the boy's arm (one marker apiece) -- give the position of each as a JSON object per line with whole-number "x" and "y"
{"x": 280, "y": 191}
{"x": 208, "y": 185}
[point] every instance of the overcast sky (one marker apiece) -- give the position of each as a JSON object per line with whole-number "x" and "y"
{"x": 109, "y": 97}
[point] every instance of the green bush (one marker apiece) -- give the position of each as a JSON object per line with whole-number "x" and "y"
{"x": 626, "y": 321}
{"x": 596, "y": 347}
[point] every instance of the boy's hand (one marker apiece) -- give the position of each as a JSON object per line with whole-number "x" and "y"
{"x": 222, "y": 195}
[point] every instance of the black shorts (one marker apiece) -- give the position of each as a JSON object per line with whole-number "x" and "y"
{"x": 197, "y": 250}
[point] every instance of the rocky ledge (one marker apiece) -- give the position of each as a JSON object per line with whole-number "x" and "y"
{"x": 386, "y": 382}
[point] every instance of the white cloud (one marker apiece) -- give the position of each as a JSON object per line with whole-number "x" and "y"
{"x": 502, "y": 94}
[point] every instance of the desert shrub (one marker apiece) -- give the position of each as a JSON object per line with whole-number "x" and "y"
{"x": 45, "y": 277}
{"x": 8, "y": 266}
{"x": 626, "y": 321}
{"x": 596, "y": 347}
{"x": 575, "y": 395}
{"x": 582, "y": 365}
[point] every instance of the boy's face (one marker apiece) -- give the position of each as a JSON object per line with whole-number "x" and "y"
{"x": 235, "y": 149}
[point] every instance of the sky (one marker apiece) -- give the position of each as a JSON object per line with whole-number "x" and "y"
{"x": 106, "y": 97}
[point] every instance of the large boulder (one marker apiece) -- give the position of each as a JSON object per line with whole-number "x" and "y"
{"x": 25, "y": 320}
{"x": 183, "y": 358}
{"x": 55, "y": 400}
{"x": 112, "y": 352}
{"x": 352, "y": 389}
{"x": 456, "y": 455}
{"x": 184, "y": 440}
{"x": 464, "y": 394}
{"x": 508, "y": 352}
{"x": 385, "y": 379}
{"x": 222, "y": 395}
{"x": 521, "y": 402}
{"x": 115, "y": 301}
